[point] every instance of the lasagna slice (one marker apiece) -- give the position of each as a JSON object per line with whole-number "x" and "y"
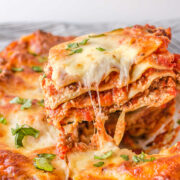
{"x": 95, "y": 77}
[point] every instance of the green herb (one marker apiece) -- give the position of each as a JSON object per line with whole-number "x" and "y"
{"x": 152, "y": 158}
{"x": 142, "y": 155}
{"x": 27, "y": 104}
{"x": 104, "y": 156}
{"x": 37, "y": 69}
{"x": 21, "y": 131}
{"x": 125, "y": 157}
{"x": 142, "y": 158}
{"x": 136, "y": 159}
{"x": 47, "y": 156}
{"x": 17, "y": 100}
{"x": 96, "y": 36}
{"x": 178, "y": 121}
{"x": 149, "y": 160}
{"x": 0, "y": 70}
{"x": 76, "y": 45}
{"x": 26, "y": 130}
{"x": 98, "y": 164}
{"x": 17, "y": 69}
{"x": 76, "y": 51}
{"x": 43, "y": 161}
{"x": 43, "y": 164}
{"x": 84, "y": 42}
{"x": 72, "y": 45}
{"x": 100, "y": 49}
{"x": 2, "y": 119}
{"x": 41, "y": 102}
{"x": 18, "y": 139}
{"x": 42, "y": 59}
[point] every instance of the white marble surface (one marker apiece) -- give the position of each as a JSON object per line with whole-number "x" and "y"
{"x": 88, "y": 11}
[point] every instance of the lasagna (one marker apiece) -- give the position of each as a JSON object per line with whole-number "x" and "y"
{"x": 19, "y": 80}
{"x": 28, "y": 142}
{"x": 102, "y": 86}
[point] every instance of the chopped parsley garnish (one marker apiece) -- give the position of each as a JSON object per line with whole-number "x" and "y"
{"x": 76, "y": 45}
{"x": 125, "y": 157}
{"x": 37, "y": 69}
{"x": 26, "y": 103}
{"x": 72, "y": 45}
{"x": 17, "y": 100}
{"x": 104, "y": 156}
{"x": 47, "y": 156}
{"x": 96, "y": 36}
{"x": 98, "y": 164}
{"x": 41, "y": 102}
{"x": 84, "y": 42}
{"x": 100, "y": 49}
{"x": 142, "y": 158}
{"x": 178, "y": 121}
{"x": 43, "y": 161}
{"x": 0, "y": 70}
{"x": 142, "y": 155}
{"x": 150, "y": 160}
{"x": 2, "y": 119}
{"x": 15, "y": 69}
{"x": 42, "y": 59}
{"x": 76, "y": 51}
{"x": 136, "y": 159}
{"x": 21, "y": 131}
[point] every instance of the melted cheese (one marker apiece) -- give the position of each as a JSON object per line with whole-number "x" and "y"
{"x": 48, "y": 134}
{"x": 85, "y": 160}
{"x": 91, "y": 66}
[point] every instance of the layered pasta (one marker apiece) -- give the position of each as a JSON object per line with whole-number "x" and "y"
{"x": 95, "y": 82}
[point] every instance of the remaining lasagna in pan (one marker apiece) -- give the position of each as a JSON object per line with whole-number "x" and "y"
{"x": 26, "y": 139}
{"x": 100, "y": 86}
{"x": 88, "y": 130}
{"x": 113, "y": 163}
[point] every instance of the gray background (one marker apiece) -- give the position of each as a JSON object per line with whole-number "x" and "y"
{"x": 13, "y": 31}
